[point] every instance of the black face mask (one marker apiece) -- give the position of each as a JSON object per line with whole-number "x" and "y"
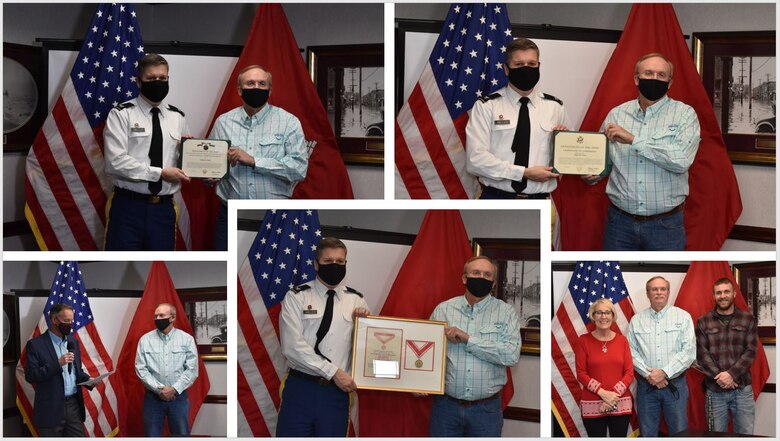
{"x": 524, "y": 78}
{"x": 653, "y": 89}
{"x": 162, "y": 323}
{"x": 154, "y": 91}
{"x": 255, "y": 97}
{"x": 332, "y": 274}
{"x": 64, "y": 328}
{"x": 478, "y": 286}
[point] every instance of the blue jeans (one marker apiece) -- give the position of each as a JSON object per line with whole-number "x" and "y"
{"x": 312, "y": 409}
{"x": 452, "y": 419}
{"x": 738, "y": 402}
{"x": 624, "y": 233}
{"x": 651, "y": 402}
{"x": 221, "y": 233}
{"x": 177, "y": 411}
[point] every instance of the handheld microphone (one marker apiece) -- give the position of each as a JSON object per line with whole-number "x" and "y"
{"x": 70, "y": 349}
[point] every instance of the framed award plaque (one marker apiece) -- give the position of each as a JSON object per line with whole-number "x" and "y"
{"x": 406, "y": 355}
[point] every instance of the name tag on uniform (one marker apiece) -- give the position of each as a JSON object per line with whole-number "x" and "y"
{"x": 309, "y": 311}
{"x": 137, "y": 129}
{"x": 501, "y": 121}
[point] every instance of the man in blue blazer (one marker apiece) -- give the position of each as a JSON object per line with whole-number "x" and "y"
{"x": 54, "y": 369}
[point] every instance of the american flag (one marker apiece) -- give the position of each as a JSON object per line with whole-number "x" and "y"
{"x": 100, "y": 403}
{"x": 465, "y": 64}
{"x": 281, "y": 257}
{"x": 590, "y": 281}
{"x": 66, "y": 184}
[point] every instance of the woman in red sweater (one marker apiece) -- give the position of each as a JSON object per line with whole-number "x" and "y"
{"x": 605, "y": 370}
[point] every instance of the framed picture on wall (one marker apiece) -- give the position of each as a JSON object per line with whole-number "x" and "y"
{"x": 24, "y": 95}
{"x": 517, "y": 282}
{"x": 10, "y": 329}
{"x": 738, "y": 70}
{"x": 206, "y": 310}
{"x": 758, "y": 283}
{"x": 350, "y": 81}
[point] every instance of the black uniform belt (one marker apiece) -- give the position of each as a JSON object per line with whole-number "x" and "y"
{"x": 512, "y": 194}
{"x": 71, "y": 397}
{"x": 640, "y": 218}
{"x": 309, "y": 377}
{"x": 468, "y": 403}
{"x": 149, "y": 198}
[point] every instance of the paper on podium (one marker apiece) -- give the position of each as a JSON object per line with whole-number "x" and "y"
{"x": 93, "y": 381}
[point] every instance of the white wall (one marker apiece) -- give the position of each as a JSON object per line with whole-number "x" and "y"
{"x": 113, "y": 316}
{"x": 766, "y": 405}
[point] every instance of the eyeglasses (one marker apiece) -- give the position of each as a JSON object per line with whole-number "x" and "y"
{"x": 602, "y": 313}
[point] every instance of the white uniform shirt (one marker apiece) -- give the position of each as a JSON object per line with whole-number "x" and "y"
{"x": 128, "y": 138}
{"x": 302, "y": 312}
{"x": 491, "y": 130}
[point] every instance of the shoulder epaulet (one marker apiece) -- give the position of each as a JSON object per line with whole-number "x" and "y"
{"x": 354, "y": 291}
{"x": 552, "y": 98}
{"x": 175, "y": 109}
{"x": 492, "y": 96}
{"x": 300, "y": 288}
{"x": 125, "y": 105}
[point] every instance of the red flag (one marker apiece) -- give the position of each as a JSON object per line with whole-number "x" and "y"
{"x": 271, "y": 44}
{"x": 713, "y": 204}
{"x": 430, "y": 275}
{"x": 100, "y": 404}
{"x": 696, "y": 297}
{"x": 196, "y": 200}
{"x": 159, "y": 289}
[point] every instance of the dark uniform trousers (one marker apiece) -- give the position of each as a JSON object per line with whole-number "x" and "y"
{"x": 138, "y": 222}
{"x": 312, "y": 407}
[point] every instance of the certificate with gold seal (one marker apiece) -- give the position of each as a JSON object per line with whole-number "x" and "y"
{"x": 398, "y": 354}
{"x": 204, "y": 158}
{"x": 579, "y": 153}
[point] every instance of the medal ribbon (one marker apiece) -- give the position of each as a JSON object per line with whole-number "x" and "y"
{"x": 419, "y": 351}
{"x": 384, "y": 337}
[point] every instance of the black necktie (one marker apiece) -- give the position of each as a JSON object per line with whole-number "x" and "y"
{"x": 327, "y": 318}
{"x": 155, "y": 151}
{"x": 522, "y": 142}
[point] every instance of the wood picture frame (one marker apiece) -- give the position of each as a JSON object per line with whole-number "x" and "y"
{"x": 512, "y": 255}
{"x": 350, "y": 83}
{"x": 206, "y": 310}
{"x": 11, "y": 341}
{"x": 24, "y": 95}
{"x": 758, "y": 283}
{"x": 399, "y": 354}
{"x": 747, "y": 120}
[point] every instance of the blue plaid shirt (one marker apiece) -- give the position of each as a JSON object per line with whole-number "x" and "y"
{"x": 273, "y": 137}
{"x": 650, "y": 176}
{"x": 477, "y": 369}
{"x": 662, "y": 340}
{"x": 167, "y": 360}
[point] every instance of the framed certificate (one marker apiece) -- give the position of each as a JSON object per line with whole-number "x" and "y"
{"x": 398, "y": 354}
{"x": 579, "y": 153}
{"x": 204, "y": 158}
